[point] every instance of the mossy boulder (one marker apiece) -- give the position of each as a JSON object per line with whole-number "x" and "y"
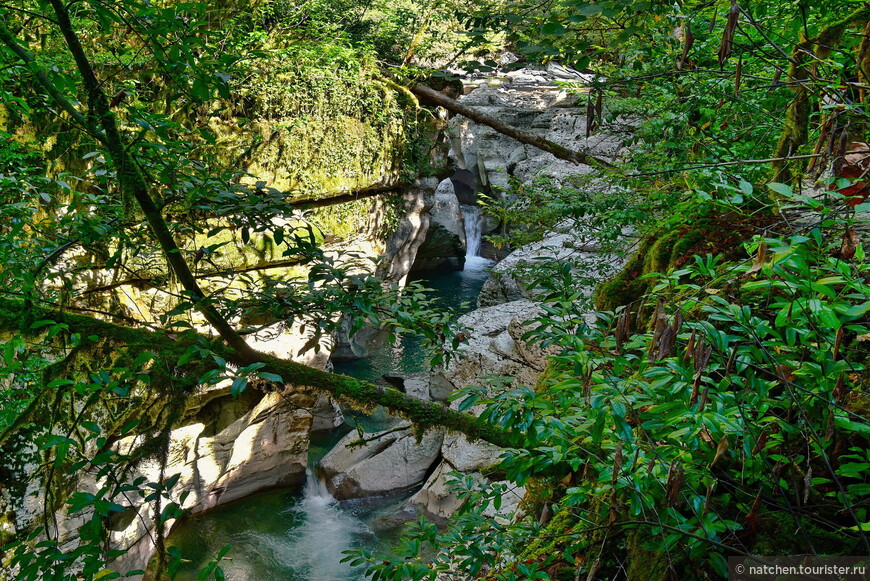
{"x": 693, "y": 229}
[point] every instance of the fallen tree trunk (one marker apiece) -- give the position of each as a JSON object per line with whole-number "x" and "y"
{"x": 527, "y": 137}
{"x": 14, "y": 316}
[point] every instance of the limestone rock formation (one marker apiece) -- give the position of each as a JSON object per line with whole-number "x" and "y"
{"x": 445, "y": 241}
{"x": 390, "y": 461}
{"x": 564, "y": 244}
{"x": 409, "y": 233}
{"x": 529, "y": 99}
{"x": 490, "y": 349}
{"x": 437, "y": 499}
{"x": 227, "y": 449}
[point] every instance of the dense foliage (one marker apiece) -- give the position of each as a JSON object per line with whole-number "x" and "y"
{"x": 717, "y": 406}
{"x": 123, "y": 199}
{"x": 725, "y": 414}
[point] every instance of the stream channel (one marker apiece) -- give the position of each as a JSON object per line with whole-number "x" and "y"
{"x": 299, "y": 535}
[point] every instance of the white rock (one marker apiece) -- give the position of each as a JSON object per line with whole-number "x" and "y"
{"x": 445, "y": 237}
{"x": 490, "y": 349}
{"x": 409, "y": 234}
{"x": 386, "y": 464}
{"x": 438, "y": 501}
{"x": 446, "y": 211}
{"x": 465, "y": 456}
{"x": 326, "y": 414}
{"x": 417, "y": 385}
{"x": 505, "y": 281}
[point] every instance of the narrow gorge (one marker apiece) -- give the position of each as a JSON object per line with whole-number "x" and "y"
{"x": 335, "y": 290}
{"x": 362, "y": 484}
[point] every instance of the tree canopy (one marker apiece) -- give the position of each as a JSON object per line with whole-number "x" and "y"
{"x": 718, "y": 408}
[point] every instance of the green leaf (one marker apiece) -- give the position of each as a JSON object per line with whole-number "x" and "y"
{"x": 53, "y": 440}
{"x": 851, "y": 426}
{"x": 589, "y": 10}
{"x": 828, "y": 318}
{"x": 238, "y": 386}
{"x": 552, "y": 28}
{"x": 855, "y": 310}
{"x": 781, "y": 189}
{"x": 200, "y": 90}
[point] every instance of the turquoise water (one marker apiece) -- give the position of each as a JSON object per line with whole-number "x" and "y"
{"x": 284, "y": 536}
{"x": 456, "y": 290}
{"x": 287, "y": 535}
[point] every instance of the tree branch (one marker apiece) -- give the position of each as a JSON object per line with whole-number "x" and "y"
{"x": 133, "y": 183}
{"x": 424, "y": 414}
{"x": 153, "y": 281}
{"x": 56, "y": 96}
{"x": 520, "y": 135}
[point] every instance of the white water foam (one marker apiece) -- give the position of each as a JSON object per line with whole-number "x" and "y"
{"x": 314, "y": 551}
{"x": 473, "y": 219}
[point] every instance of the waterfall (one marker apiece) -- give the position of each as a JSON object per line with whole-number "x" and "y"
{"x": 273, "y": 542}
{"x": 473, "y": 219}
{"x": 473, "y": 228}
{"x": 315, "y": 549}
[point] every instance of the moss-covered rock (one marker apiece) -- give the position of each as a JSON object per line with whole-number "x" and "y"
{"x": 694, "y": 229}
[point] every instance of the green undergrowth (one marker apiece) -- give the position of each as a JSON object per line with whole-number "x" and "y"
{"x": 728, "y": 416}
{"x": 693, "y": 229}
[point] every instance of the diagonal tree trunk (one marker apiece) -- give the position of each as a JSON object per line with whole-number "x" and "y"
{"x": 424, "y": 414}
{"x": 579, "y": 157}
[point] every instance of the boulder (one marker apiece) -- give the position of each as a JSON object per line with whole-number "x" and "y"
{"x": 446, "y": 211}
{"x": 490, "y": 349}
{"x": 417, "y": 385}
{"x": 440, "y": 387}
{"x": 437, "y": 501}
{"x": 229, "y": 448}
{"x": 413, "y": 384}
{"x": 387, "y": 462}
{"x": 445, "y": 238}
{"x": 409, "y": 234}
{"x": 326, "y": 415}
{"x": 465, "y": 456}
{"x": 365, "y": 341}
{"x": 505, "y": 283}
